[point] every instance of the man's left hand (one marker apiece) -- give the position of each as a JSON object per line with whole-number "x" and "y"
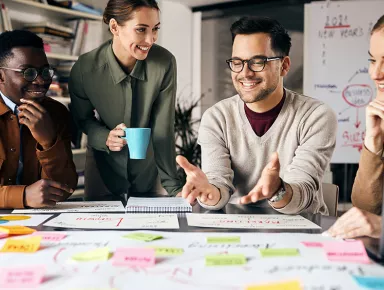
{"x": 268, "y": 183}
{"x": 39, "y": 122}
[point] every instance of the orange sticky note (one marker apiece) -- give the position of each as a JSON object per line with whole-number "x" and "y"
{"x": 17, "y": 230}
{"x": 28, "y": 245}
{"x": 290, "y": 285}
{"x": 352, "y": 251}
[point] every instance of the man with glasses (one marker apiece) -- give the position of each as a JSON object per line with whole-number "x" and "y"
{"x": 267, "y": 145}
{"x": 36, "y": 167}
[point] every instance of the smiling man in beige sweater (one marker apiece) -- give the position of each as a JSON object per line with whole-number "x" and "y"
{"x": 266, "y": 145}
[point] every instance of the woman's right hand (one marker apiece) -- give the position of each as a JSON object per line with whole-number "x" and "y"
{"x": 374, "y": 126}
{"x": 114, "y": 140}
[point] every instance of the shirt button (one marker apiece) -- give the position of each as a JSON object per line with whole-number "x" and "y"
{"x": 11, "y": 118}
{"x": 9, "y": 180}
{"x": 13, "y": 149}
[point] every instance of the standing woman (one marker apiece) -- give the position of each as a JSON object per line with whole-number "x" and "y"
{"x": 131, "y": 83}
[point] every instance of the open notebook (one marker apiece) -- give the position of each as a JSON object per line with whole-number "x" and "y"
{"x": 158, "y": 204}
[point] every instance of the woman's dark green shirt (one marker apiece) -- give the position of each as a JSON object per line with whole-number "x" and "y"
{"x": 143, "y": 98}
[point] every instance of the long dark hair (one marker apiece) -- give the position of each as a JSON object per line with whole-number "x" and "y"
{"x": 122, "y": 10}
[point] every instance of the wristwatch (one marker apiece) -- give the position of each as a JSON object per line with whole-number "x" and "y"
{"x": 279, "y": 194}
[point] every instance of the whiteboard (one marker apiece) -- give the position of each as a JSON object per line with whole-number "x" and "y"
{"x": 336, "y": 44}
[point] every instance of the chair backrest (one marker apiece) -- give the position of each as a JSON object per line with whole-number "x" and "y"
{"x": 331, "y": 197}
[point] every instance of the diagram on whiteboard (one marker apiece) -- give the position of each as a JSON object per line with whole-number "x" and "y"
{"x": 336, "y": 68}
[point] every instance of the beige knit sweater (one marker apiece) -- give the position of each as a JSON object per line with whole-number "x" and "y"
{"x": 233, "y": 156}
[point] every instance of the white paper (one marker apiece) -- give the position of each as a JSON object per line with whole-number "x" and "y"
{"x": 78, "y": 206}
{"x": 114, "y": 221}
{"x": 188, "y": 271}
{"x": 33, "y": 220}
{"x": 162, "y": 204}
{"x": 247, "y": 221}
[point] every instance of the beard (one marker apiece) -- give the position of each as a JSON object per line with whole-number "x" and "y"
{"x": 258, "y": 96}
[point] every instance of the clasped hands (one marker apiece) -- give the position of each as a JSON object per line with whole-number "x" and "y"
{"x": 198, "y": 187}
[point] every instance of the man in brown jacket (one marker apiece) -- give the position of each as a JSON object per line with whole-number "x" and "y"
{"x": 36, "y": 167}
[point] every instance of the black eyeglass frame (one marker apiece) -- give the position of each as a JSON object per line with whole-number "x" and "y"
{"x": 243, "y": 61}
{"x": 38, "y": 72}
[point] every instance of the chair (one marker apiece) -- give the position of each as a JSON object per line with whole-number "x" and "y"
{"x": 331, "y": 197}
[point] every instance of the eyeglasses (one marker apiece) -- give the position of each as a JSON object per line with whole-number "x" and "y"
{"x": 255, "y": 64}
{"x": 31, "y": 73}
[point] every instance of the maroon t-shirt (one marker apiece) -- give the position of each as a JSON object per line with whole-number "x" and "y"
{"x": 261, "y": 122}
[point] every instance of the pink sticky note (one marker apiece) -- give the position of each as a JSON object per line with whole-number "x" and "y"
{"x": 352, "y": 251}
{"x": 138, "y": 257}
{"x": 313, "y": 244}
{"x": 23, "y": 277}
{"x": 51, "y": 237}
{"x": 3, "y": 235}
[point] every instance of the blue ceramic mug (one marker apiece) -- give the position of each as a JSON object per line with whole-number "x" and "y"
{"x": 137, "y": 140}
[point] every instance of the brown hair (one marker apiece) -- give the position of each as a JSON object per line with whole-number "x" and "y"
{"x": 379, "y": 25}
{"x": 122, "y": 10}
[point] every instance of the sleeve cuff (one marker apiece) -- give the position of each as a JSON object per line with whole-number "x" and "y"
{"x": 53, "y": 152}
{"x": 223, "y": 200}
{"x": 370, "y": 156}
{"x": 293, "y": 206}
{"x": 14, "y": 196}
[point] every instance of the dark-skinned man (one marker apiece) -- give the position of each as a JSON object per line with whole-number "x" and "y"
{"x": 36, "y": 167}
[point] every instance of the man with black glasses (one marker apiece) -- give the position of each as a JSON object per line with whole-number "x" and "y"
{"x": 36, "y": 167}
{"x": 267, "y": 145}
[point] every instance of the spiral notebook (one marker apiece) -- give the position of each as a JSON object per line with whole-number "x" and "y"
{"x": 158, "y": 204}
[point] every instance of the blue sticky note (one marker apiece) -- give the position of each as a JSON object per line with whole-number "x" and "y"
{"x": 370, "y": 282}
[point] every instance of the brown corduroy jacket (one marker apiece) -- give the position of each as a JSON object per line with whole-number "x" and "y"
{"x": 367, "y": 192}
{"x": 54, "y": 163}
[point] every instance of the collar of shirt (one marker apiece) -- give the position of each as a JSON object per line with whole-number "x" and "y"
{"x": 118, "y": 74}
{"x": 8, "y": 102}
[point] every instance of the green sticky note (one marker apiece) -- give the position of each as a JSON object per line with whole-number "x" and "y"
{"x": 223, "y": 240}
{"x": 165, "y": 251}
{"x": 225, "y": 260}
{"x": 143, "y": 237}
{"x": 288, "y": 252}
{"x": 101, "y": 254}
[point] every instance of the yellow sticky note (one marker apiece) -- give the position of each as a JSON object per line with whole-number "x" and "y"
{"x": 17, "y": 230}
{"x": 288, "y": 252}
{"x": 223, "y": 240}
{"x": 165, "y": 251}
{"x": 28, "y": 245}
{"x": 143, "y": 237}
{"x": 290, "y": 285}
{"x": 225, "y": 260}
{"x": 15, "y": 217}
{"x": 101, "y": 254}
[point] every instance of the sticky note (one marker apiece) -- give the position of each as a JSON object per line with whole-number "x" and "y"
{"x": 352, "y": 251}
{"x": 100, "y": 254}
{"x": 289, "y": 285}
{"x": 370, "y": 282}
{"x": 14, "y": 217}
{"x": 21, "y": 277}
{"x": 50, "y": 237}
{"x": 143, "y": 237}
{"x": 28, "y": 245}
{"x": 3, "y": 235}
{"x": 313, "y": 244}
{"x": 3, "y": 222}
{"x": 223, "y": 240}
{"x": 165, "y": 251}
{"x": 283, "y": 252}
{"x": 225, "y": 260}
{"x": 138, "y": 257}
{"x": 17, "y": 230}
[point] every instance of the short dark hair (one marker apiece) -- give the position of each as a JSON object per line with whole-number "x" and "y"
{"x": 379, "y": 25}
{"x": 17, "y": 38}
{"x": 281, "y": 41}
